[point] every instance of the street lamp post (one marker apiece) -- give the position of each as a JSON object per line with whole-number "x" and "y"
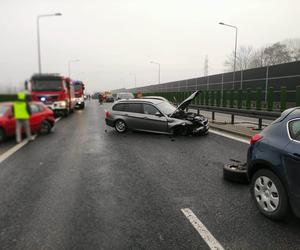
{"x": 158, "y": 70}
{"x": 38, "y": 37}
{"x": 69, "y": 66}
{"x": 235, "y": 46}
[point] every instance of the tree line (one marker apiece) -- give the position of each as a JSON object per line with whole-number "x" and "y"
{"x": 248, "y": 57}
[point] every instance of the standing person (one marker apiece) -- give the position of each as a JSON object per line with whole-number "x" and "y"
{"x": 100, "y": 98}
{"x": 21, "y": 111}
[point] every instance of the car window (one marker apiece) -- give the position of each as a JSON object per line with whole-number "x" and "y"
{"x": 133, "y": 107}
{"x": 34, "y": 108}
{"x": 3, "y": 109}
{"x": 149, "y": 109}
{"x": 294, "y": 127}
{"x": 118, "y": 107}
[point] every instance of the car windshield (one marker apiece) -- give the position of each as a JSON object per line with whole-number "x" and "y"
{"x": 3, "y": 109}
{"x": 77, "y": 87}
{"x": 46, "y": 85}
{"x": 166, "y": 108}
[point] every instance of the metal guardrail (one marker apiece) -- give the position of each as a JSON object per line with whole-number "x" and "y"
{"x": 259, "y": 114}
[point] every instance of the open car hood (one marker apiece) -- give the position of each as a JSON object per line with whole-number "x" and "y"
{"x": 188, "y": 100}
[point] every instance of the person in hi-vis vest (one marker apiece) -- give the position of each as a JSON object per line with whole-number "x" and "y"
{"x": 21, "y": 111}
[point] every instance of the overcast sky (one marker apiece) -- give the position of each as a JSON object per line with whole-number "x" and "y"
{"x": 114, "y": 39}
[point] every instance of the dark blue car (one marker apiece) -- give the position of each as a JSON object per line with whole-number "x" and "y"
{"x": 274, "y": 166}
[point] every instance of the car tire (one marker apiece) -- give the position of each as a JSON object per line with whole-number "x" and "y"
{"x": 235, "y": 172}
{"x": 45, "y": 127}
{"x": 2, "y": 135}
{"x": 269, "y": 195}
{"x": 66, "y": 113}
{"x": 181, "y": 130}
{"x": 120, "y": 126}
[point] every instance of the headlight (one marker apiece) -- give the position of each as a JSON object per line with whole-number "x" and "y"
{"x": 61, "y": 104}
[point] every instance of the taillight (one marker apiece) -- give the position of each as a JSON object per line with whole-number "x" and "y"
{"x": 107, "y": 114}
{"x": 255, "y": 138}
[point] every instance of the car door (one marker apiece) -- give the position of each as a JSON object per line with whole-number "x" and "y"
{"x": 154, "y": 120}
{"x": 10, "y": 122}
{"x": 35, "y": 117}
{"x": 133, "y": 115}
{"x": 292, "y": 158}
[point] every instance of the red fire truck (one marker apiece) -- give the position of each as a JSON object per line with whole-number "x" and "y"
{"x": 79, "y": 94}
{"x": 55, "y": 91}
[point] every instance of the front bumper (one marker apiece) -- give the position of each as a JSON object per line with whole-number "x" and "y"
{"x": 201, "y": 128}
{"x": 57, "y": 106}
{"x": 79, "y": 101}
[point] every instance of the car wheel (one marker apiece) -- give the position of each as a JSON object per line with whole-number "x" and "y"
{"x": 2, "y": 135}
{"x": 45, "y": 127}
{"x": 66, "y": 113}
{"x": 120, "y": 126}
{"x": 181, "y": 130}
{"x": 269, "y": 195}
{"x": 235, "y": 172}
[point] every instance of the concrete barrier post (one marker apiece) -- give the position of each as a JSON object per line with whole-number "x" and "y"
{"x": 298, "y": 96}
{"x": 224, "y": 100}
{"x": 218, "y": 98}
{"x": 239, "y": 98}
{"x": 231, "y": 98}
{"x": 206, "y": 97}
{"x": 248, "y": 98}
{"x": 270, "y": 98}
{"x": 258, "y": 98}
{"x": 202, "y": 97}
{"x": 212, "y": 98}
{"x": 283, "y": 98}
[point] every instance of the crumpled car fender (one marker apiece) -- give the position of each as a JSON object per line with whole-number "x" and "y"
{"x": 176, "y": 122}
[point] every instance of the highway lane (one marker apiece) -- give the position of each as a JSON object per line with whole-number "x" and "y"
{"x": 7, "y": 144}
{"x": 87, "y": 187}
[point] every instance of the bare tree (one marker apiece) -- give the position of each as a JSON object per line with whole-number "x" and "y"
{"x": 293, "y": 46}
{"x": 276, "y": 54}
{"x": 243, "y": 58}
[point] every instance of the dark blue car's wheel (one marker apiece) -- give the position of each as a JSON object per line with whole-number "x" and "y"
{"x": 269, "y": 195}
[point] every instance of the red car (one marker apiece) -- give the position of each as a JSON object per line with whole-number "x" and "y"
{"x": 41, "y": 120}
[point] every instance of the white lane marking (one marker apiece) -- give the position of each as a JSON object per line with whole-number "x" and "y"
{"x": 229, "y": 136}
{"x": 12, "y": 150}
{"x": 57, "y": 119}
{"x": 202, "y": 230}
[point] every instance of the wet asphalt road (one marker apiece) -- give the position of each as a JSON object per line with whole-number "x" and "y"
{"x": 82, "y": 187}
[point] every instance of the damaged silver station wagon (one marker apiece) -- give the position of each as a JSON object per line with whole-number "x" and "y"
{"x": 157, "y": 116}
